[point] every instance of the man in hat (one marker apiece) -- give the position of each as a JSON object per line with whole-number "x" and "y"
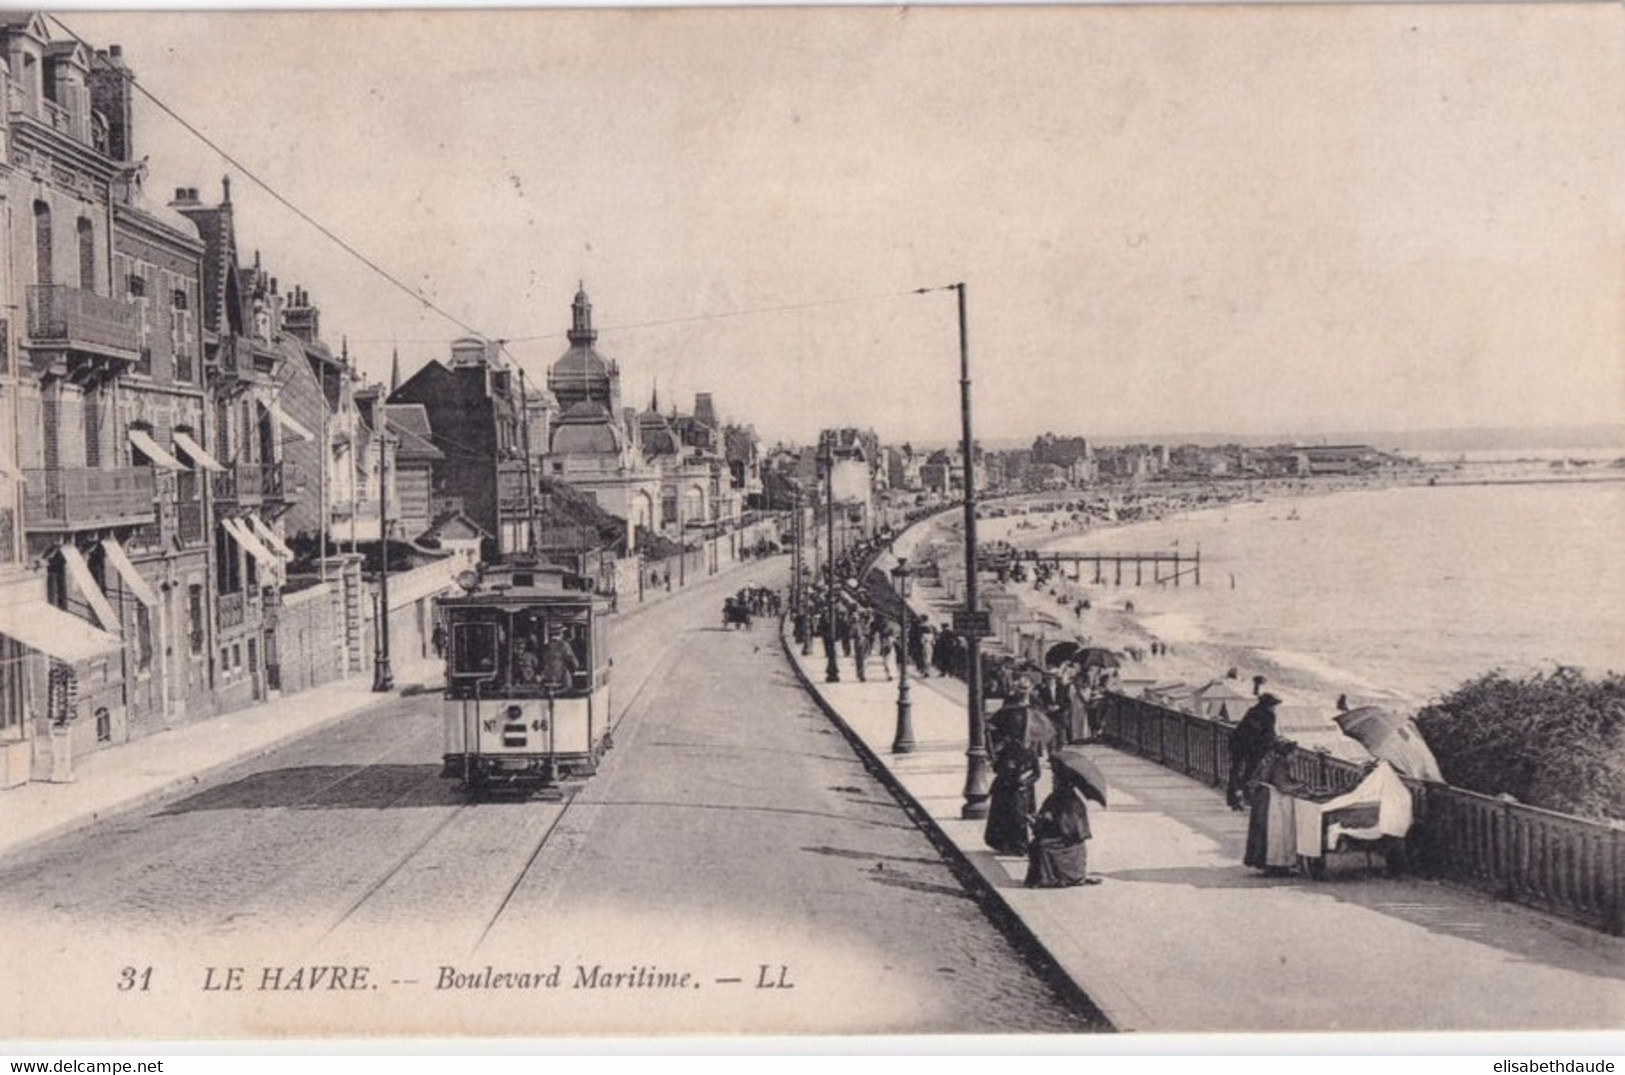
{"x": 1249, "y": 744}
{"x": 558, "y": 661}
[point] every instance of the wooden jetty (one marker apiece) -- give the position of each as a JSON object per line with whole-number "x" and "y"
{"x": 1166, "y": 567}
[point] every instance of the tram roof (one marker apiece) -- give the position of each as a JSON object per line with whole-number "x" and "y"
{"x": 527, "y": 584}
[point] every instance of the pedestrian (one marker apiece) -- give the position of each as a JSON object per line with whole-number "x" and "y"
{"x": 885, "y": 640}
{"x": 1249, "y": 745}
{"x": 928, "y": 647}
{"x": 1272, "y": 837}
{"x": 860, "y": 643}
{"x": 1018, "y": 738}
{"x": 1058, "y": 855}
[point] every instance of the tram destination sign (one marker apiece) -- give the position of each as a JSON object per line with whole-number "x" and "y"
{"x": 971, "y": 623}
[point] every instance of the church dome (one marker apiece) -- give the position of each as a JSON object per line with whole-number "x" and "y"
{"x": 581, "y": 373}
{"x": 579, "y": 367}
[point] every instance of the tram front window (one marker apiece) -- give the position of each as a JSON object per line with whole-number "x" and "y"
{"x": 476, "y": 650}
{"x": 550, "y": 653}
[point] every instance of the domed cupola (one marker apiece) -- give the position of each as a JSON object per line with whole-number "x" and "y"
{"x": 581, "y": 374}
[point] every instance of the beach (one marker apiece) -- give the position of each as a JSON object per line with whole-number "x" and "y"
{"x": 1388, "y": 593}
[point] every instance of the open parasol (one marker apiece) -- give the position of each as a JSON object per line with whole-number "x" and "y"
{"x": 1097, "y": 657}
{"x": 1393, "y": 738}
{"x": 1060, "y": 653}
{"x": 1082, "y": 772}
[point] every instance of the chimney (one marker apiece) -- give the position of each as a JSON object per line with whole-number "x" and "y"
{"x": 112, "y": 93}
{"x": 185, "y": 198}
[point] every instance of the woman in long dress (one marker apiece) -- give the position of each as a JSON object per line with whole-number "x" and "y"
{"x": 1272, "y": 842}
{"x": 1059, "y": 854}
{"x": 1018, "y": 737}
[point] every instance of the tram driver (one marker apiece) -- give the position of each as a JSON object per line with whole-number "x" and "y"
{"x": 558, "y": 659}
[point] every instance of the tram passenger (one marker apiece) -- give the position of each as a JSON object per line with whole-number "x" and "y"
{"x": 526, "y": 664}
{"x": 559, "y": 663}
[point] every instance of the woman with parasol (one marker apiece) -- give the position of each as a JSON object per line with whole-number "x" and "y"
{"x": 1018, "y": 737}
{"x": 1059, "y": 854}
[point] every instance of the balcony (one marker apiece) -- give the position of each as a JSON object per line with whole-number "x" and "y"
{"x": 75, "y": 320}
{"x": 234, "y": 358}
{"x": 88, "y": 498}
{"x": 254, "y": 482}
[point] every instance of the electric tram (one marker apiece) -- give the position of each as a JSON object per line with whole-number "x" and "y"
{"x": 527, "y": 678}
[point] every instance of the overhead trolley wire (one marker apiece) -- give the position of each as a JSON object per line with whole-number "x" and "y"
{"x": 417, "y": 295}
{"x": 274, "y": 193}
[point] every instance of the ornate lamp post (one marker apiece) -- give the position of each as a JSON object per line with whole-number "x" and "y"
{"x": 826, "y": 459}
{"x": 903, "y": 743}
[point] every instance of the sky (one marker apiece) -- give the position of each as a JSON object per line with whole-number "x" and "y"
{"x": 1168, "y": 219}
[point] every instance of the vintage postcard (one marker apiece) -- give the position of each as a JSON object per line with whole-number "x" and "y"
{"x": 1077, "y": 521}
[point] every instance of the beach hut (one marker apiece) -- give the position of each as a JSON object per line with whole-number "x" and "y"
{"x": 1221, "y": 699}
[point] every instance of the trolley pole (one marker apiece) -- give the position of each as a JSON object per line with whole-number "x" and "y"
{"x": 382, "y": 678}
{"x": 832, "y": 671}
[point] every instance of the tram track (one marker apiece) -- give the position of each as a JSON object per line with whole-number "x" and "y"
{"x": 650, "y": 633}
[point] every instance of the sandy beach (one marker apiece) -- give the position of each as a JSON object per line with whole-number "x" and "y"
{"x": 1309, "y": 693}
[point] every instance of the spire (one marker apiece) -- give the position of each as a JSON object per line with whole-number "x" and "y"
{"x": 581, "y": 331}
{"x": 395, "y": 371}
{"x": 344, "y": 350}
{"x": 654, "y": 398}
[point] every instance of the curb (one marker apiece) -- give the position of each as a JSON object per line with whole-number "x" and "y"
{"x": 180, "y": 783}
{"x": 987, "y": 895}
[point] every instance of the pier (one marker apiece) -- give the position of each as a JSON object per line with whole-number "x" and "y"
{"x": 1178, "y": 565}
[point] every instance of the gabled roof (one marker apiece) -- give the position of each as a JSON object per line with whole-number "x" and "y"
{"x": 410, "y": 424}
{"x": 454, "y": 525}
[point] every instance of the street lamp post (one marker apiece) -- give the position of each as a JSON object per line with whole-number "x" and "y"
{"x": 976, "y": 776}
{"x": 903, "y": 743}
{"x": 832, "y": 671}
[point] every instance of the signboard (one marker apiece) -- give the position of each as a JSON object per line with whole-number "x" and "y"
{"x": 969, "y": 623}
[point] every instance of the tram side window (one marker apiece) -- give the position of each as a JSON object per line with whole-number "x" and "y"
{"x": 476, "y": 649}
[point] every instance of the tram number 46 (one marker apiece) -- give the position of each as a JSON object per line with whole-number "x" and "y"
{"x": 538, "y": 725}
{"x": 138, "y": 979}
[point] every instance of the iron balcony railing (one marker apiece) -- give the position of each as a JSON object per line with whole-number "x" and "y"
{"x": 79, "y": 320}
{"x": 83, "y": 498}
{"x": 244, "y": 482}
{"x": 1568, "y": 866}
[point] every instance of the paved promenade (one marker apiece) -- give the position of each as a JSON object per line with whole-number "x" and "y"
{"x": 1181, "y": 937}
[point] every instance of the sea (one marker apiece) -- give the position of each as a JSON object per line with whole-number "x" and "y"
{"x": 1396, "y": 595}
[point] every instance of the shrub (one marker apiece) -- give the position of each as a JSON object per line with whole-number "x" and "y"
{"x": 1554, "y": 739}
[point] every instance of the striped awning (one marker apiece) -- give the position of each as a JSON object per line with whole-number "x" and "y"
{"x": 127, "y": 571}
{"x": 49, "y": 630}
{"x": 294, "y": 428}
{"x": 195, "y": 450}
{"x": 269, "y": 537}
{"x": 158, "y": 456}
{"x": 251, "y": 544}
{"x": 79, "y": 571}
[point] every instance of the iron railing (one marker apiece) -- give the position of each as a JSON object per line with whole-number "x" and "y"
{"x": 244, "y": 482}
{"x": 88, "y": 497}
{"x": 1568, "y": 866}
{"x": 75, "y": 319}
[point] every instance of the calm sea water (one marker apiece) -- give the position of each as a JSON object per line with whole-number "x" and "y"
{"x": 1400, "y": 593}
